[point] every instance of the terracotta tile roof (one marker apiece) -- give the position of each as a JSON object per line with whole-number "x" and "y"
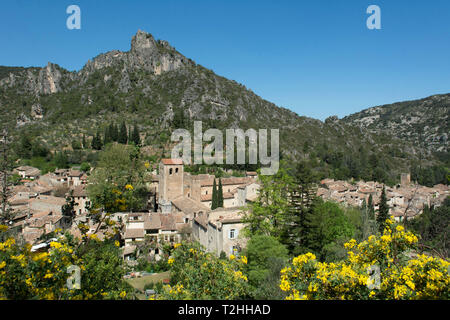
{"x": 189, "y": 206}
{"x": 79, "y": 191}
{"x": 152, "y": 221}
{"x": 134, "y": 233}
{"x": 128, "y": 250}
{"x": 172, "y": 161}
{"x": 75, "y": 173}
{"x": 168, "y": 222}
{"x": 202, "y": 220}
{"x": 226, "y": 195}
{"x": 226, "y": 181}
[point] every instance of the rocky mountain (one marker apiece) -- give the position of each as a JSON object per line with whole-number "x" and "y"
{"x": 424, "y": 122}
{"x": 152, "y": 83}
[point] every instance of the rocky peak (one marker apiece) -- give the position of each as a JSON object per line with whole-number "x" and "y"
{"x": 143, "y": 41}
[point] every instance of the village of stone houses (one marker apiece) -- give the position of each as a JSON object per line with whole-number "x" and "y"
{"x": 180, "y": 208}
{"x": 184, "y": 205}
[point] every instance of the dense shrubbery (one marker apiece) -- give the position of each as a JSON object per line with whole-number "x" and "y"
{"x": 401, "y": 276}
{"x": 195, "y": 274}
{"x": 43, "y": 275}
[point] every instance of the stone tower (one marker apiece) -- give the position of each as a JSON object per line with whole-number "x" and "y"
{"x": 171, "y": 172}
{"x": 405, "y": 179}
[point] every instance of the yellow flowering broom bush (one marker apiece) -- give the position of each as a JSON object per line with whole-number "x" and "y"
{"x": 401, "y": 274}
{"x": 196, "y": 274}
{"x": 43, "y": 275}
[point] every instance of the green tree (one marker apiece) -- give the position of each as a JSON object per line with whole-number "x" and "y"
{"x": 326, "y": 227}
{"x": 267, "y": 214}
{"x": 371, "y": 208}
{"x": 68, "y": 209}
{"x": 433, "y": 226}
{"x": 214, "y": 198}
{"x": 383, "y": 211}
{"x": 117, "y": 183}
{"x": 302, "y": 194}
{"x": 135, "y": 136}
{"x": 114, "y": 132}
{"x": 97, "y": 142}
{"x": 85, "y": 167}
{"x": 24, "y": 147}
{"x": 220, "y": 195}
{"x": 61, "y": 161}
{"x": 266, "y": 257}
{"x": 6, "y": 213}
{"x": 123, "y": 135}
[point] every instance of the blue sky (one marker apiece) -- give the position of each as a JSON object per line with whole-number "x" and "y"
{"x": 316, "y": 58}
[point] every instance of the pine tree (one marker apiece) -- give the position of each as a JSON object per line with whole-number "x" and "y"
{"x": 214, "y": 202}
{"x": 83, "y": 142}
{"x": 220, "y": 195}
{"x": 383, "y": 211}
{"x": 123, "y": 136}
{"x": 297, "y": 230}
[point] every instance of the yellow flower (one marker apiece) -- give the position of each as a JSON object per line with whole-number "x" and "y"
{"x": 232, "y": 257}
{"x": 117, "y": 243}
{"x": 3, "y": 227}
{"x": 350, "y": 244}
{"x": 123, "y": 294}
{"x": 170, "y": 261}
{"x": 56, "y": 245}
{"x": 176, "y": 245}
{"x": 147, "y": 164}
{"x": 48, "y": 276}
{"x": 129, "y": 187}
{"x": 399, "y": 228}
{"x": 94, "y": 236}
{"x": 2, "y": 264}
{"x": 244, "y": 259}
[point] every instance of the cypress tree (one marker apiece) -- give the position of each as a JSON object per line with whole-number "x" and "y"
{"x": 114, "y": 132}
{"x": 383, "y": 211}
{"x": 123, "y": 137}
{"x": 214, "y": 203}
{"x": 135, "y": 136}
{"x": 97, "y": 142}
{"x": 83, "y": 142}
{"x": 220, "y": 195}
{"x": 371, "y": 208}
{"x": 107, "y": 137}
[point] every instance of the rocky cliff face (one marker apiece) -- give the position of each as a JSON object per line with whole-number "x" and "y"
{"x": 424, "y": 122}
{"x": 37, "y": 81}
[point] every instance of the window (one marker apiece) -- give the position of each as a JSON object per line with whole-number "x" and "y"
{"x": 170, "y": 171}
{"x": 176, "y": 170}
{"x": 232, "y": 233}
